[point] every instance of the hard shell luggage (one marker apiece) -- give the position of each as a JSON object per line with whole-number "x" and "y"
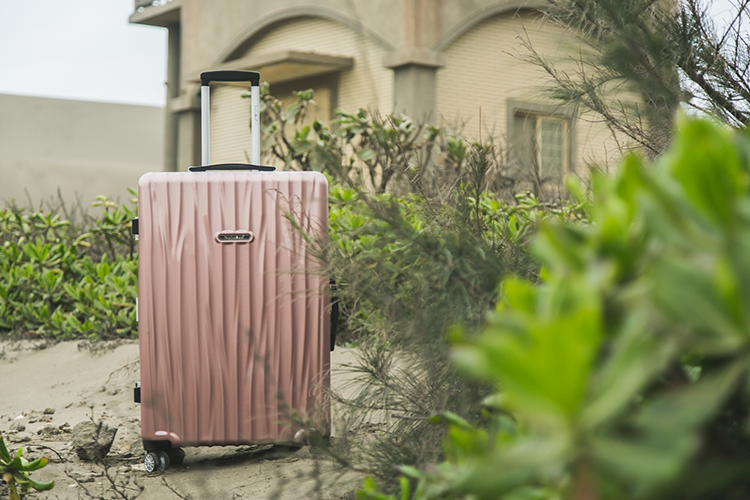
{"x": 234, "y": 319}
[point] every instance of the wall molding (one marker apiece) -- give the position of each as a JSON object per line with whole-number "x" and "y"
{"x": 238, "y": 48}
{"x": 482, "y": 14}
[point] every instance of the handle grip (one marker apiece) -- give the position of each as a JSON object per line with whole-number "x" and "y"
{"x": 230, "y": 75}
{"x": 232, "y": 166}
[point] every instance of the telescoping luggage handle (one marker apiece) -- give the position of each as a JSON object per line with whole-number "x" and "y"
{"x": 230, "y": 75}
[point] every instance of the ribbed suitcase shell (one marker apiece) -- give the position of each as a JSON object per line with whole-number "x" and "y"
{"x": 234, "y": 337}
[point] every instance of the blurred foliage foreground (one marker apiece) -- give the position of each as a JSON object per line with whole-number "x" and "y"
{"x": 624, "y": 373}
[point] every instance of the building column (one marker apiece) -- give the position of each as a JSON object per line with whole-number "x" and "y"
{"x": 183, "y": 124}
{"x": 171, "y": 136}
{"x": 415, "y": 85}
{"x": 189, "y": 130}
{"x": 414, "y": 65}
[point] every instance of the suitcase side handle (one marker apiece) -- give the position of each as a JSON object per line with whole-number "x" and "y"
{"x": 230, "y": 75}
{"x": 232, "y": 166}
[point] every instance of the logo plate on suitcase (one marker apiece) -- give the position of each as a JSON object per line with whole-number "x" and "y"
{"x": 235, "y": 237}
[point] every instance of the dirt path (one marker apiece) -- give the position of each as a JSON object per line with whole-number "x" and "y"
{"x": 75, "y": 384}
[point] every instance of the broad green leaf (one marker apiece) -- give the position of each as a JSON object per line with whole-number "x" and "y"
{"x": 36, "y": 464}
{"x": 636, "y": 358}
{"x": 647, "y": 464}
{"x": 519, "y": 294}
{"x": 707, "y": 165}
{"x": 452, "y": 419}
{"x": 4, "y": 453}
{"x": 687, "y": 293}
{"x": 366, "y": 154}
{"x": 526, "y": 461}
{"x": 682, "y": 411}
{"x": 411, "y": 472}
{"x": 291, "y": 111}
{"x": 42, "y": 486}
{"x": 545, "y": 368}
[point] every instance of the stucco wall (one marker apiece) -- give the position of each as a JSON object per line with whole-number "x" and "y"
{"x": 367, "y": 84}
{"x": 230, "y": 131}
{"x": 84, "y": 148}
{"x": 483, "y": 71}
{"x": 214, "y": 29}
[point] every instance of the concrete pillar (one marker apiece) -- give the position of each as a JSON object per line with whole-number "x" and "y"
{"x": 189, "y": 139}
{"x": 415, "y": 83}
{"x": 414, "y": 65}
{"x": 414, "y": 91}
{"x": 174, "y": 55}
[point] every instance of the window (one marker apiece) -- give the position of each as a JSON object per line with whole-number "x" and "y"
{"x": 541, "y": 145}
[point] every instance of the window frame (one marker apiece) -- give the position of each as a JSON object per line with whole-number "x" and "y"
{"x": 541, "y": 110}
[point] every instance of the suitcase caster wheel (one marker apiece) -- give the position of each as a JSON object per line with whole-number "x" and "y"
{"x": 151, "y": 462}
{"x": 156, "y": 462}
{"x": 163, "y": 461}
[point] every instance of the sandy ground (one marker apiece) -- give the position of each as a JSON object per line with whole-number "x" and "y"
{"x": 74, "y": 383}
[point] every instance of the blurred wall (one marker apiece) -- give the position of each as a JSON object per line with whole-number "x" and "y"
{"x": 83, "y": 148}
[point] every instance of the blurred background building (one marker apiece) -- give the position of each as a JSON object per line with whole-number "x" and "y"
{"x": 450, "y": 62}
{"x": 81, "y": 148}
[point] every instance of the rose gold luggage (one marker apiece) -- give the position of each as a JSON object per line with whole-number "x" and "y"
{"x": 233, "y": 312}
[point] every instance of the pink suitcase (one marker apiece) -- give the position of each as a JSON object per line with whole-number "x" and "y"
{"x": 234, "y": 319}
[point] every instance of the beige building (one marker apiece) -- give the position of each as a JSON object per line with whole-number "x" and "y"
{"x": 82, "y": 148}
{"x": 446, "y": 61}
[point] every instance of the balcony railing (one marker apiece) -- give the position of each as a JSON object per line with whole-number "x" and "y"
{"x": 141, "y": 4}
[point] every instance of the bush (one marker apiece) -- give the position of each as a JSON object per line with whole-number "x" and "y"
{"x": 624, "y": 374}
{"x": 406, "y": 273}
{"x": 391, "y": 154}
{"x": 61, "y": 279}
{"x": 423, "y": 227}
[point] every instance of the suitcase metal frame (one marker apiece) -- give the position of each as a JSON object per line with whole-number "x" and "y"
{"x": 230, "y": 76}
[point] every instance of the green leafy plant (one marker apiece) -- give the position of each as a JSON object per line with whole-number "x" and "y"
{"x": 14, "y": 470}
{"x": 624, "y": 374}
{"x": 407, "y": 268}
{"x": 65, "y": 279}
{"x": 113, "y": 228}
{"x": 423, "y": 226}
{"x": 387, "y": 154}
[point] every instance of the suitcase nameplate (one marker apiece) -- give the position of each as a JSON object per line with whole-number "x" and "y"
{"x": 234, "y": 237}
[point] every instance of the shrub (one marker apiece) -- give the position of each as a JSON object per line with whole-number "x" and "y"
{"x": 62, "y": 279}
{"x": 390, "y": 154}
{"x": 407, "y": 271}
{"x": 423, "y": 226}
{"x": 624, "y": 373}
